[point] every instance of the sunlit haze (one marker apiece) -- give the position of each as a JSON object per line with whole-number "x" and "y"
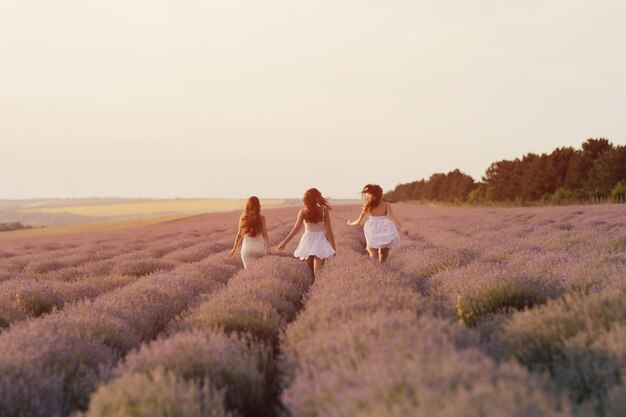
{"x": 139, "y": 98}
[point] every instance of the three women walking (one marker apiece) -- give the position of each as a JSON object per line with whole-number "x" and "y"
{"x": 318, "y": 241}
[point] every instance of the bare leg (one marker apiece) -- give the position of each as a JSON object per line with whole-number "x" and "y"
{"x": 319, "y": 263}
{"x": 372, "y": 252}
{"x": 383, "y": 253}
{"x": 310, "y": 263}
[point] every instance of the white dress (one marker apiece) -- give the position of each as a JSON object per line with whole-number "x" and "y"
{"x": 380, "y": 232}
{"x": 314, "y": 242}
{"x": 252, "y": 248}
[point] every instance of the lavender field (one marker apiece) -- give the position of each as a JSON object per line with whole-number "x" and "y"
{"x": 481, "y": 312}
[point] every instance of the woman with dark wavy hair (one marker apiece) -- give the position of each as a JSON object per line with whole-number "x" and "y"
{"x": 317, "y": 242}
{"x": 252, "y": 232}
{"x": 381, "y": 227}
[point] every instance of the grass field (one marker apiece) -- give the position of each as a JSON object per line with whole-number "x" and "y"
{"x": 150, "y": 208}
{"x": 480, "y": 312}
{"x": 60, "y": 216}
{"x": 90, "y": 227}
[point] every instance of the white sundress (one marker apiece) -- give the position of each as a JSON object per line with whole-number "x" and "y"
{"x": 314, "y": 242}
{"x": 380, "y": 232}
{"x": 252, "y": 248}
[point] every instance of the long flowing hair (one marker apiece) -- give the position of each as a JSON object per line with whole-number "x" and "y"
{"x": 314, "y": 204}
{"x": 373, "y": 196}
{"x": 251, "y": 219}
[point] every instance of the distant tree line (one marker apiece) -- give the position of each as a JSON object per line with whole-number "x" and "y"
{"x": 453, "y": 186}
{"x": 597, "y": 171}
{"x": 7, "y": 227}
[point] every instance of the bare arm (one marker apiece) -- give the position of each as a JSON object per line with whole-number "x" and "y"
{"x": 394, "y": 219}
{"x": 294, "y": 231}
{"x": 237, "y": 239}
{"x": 266, "y": 240}
{"x": 329, "y": 231}
{"x": 360, "y": 219}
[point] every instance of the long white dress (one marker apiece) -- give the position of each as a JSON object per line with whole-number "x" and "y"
{"x": 314, "y": 242}
{"x": 252, "y": 248}
{"x": 380, "y": 232}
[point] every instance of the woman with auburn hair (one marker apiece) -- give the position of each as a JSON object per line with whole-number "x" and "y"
{"x": 317, "y": 242}
{"x": 253, "y": 232}
{"x": 381, "y": 228}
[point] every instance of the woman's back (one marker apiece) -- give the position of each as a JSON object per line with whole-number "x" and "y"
{"x": 314, "y": 227}
{"x": 314, "y": 222}
{"x": 379, "y": 210}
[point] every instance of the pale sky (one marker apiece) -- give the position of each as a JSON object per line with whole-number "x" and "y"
{"x": 153, "y": 98}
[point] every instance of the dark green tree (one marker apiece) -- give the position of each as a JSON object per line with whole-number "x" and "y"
{"x": 608, "y": 168}
{"x": 565, "y": 174}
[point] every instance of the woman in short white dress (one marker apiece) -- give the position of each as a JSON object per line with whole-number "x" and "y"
{"x": 317, "y": 242}
{"x": 381, "y": 227}
{"x": 252, "y": 232}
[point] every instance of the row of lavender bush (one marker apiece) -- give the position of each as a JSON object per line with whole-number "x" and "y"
{"x": 51, "y": 365}
{"x": 479, "y": 266}
{"x": 21, "y": 298}
{"x": 580, "y": 341}
{"x": 224, "y": 347}
{"x": 49, "y": 280}
{"x": 496, "y": 273}
{"x": 368, "y": 343}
